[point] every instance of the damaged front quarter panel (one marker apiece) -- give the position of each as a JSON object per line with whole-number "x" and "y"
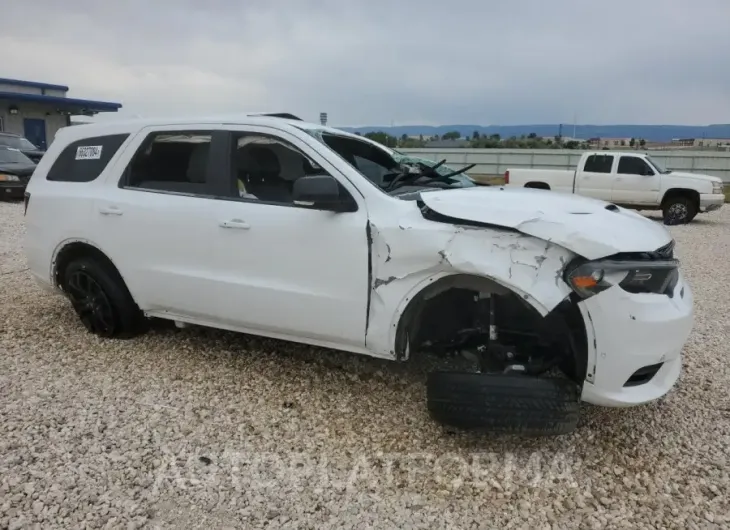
{"x": 408, "y": 257}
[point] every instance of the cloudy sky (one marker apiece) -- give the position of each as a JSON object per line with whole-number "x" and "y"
{"x": 378, "y": 62}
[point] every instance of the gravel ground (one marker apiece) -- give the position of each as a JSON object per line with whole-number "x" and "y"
{"x": 198, "y": 428}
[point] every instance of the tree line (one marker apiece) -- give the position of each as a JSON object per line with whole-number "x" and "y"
{"x": 492, "y": 141}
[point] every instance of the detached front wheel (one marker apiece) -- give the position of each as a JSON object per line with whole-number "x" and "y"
{"x": 504, "y": 403}
{"x": 679, "y": 210}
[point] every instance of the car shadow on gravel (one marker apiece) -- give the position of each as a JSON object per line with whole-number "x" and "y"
{"x": 706, "y": 221}
{"x": 311, "y": 382}
{"x": 401, "y": 379}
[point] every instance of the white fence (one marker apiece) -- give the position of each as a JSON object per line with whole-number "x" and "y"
{"x": 496, "y": 161}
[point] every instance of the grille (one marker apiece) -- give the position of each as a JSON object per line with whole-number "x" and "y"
{"x": 662, "y": 253}
{"x": 667, "y": 251}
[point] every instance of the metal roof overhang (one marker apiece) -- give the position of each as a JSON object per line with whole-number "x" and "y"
{"x": 72, "y": 105}
{"x": 32, "y": 84}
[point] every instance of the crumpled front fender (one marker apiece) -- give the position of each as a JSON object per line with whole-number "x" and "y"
{"x": 407, "y": 258}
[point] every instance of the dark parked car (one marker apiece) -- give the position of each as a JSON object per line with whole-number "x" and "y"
{"x": 22, "y": 144}
{"x": 15, "y": 172}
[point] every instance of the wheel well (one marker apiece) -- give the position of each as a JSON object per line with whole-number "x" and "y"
{"x": 436, "y": 318}
{"x": 75, "y": 250}
{"x": 693, "y": 195}
{"x": 538, "y": 185}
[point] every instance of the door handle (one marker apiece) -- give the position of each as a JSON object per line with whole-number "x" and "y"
{"x": 110, "y": 210}
{"x": 235, "y": 223}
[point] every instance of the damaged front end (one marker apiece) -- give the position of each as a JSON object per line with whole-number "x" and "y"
{"x": 491, "y": 274}
{"x": 489, "y": 294}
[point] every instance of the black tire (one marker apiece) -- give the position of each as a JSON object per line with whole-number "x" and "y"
{"x": 504, "y": 403}
{"x": 678, "y": 210}
{"x": 122, "y": 318}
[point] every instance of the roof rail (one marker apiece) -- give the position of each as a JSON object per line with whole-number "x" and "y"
{"x": 284, "y": 115}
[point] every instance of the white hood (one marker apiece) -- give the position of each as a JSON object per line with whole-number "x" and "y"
{"x": 580, "y": 224}
{"x": 695, "y": 176}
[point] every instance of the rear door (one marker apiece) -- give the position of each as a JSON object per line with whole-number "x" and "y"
{"x": 158, "y": 221}
{"x": 596, "y": 178}
{"x": 636, "y": 182}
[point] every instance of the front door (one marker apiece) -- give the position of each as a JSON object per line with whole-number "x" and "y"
{"x": 285, "y": 269}
{"x": 35, "y": 131}
{"x": 636, "y": 182}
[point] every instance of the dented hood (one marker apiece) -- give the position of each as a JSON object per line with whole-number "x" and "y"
{"x": 590, "y": 228}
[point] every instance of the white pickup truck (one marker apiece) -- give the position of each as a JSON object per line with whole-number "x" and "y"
{"x": 629, "y": 179}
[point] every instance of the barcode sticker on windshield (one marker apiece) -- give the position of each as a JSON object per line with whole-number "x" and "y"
{"x": 88, "y": 152}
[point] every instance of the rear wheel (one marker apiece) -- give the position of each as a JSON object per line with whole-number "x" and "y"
{"x": 101, "y": 299}
{"x": 679, "y": 210}
{"x": 504, "y": 403}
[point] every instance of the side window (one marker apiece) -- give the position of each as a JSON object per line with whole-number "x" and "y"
{"x": 374, "y": 172}
{"x": 174, "y": 161}
{"x": 632, "y": 165}
{"x": 264, "y": 168}
{"x": 84, "y": 160}
{"x": 598, "y": 164}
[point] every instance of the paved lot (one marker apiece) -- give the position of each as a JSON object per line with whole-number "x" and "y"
{"x": 206, "y": 429}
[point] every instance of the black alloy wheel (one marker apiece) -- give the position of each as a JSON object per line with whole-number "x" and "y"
{"x": 91, "y": 303}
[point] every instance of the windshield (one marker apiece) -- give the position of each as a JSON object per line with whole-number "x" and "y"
{"x": 11, "y": 156}
{"x": 660, "y": 168}
{"x": 395, "y": 173}
{"x": 462, "y": 178}
{"x": 16, "y": 142}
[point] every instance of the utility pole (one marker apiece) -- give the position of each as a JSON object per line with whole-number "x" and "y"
{"x": 575, "y": 121}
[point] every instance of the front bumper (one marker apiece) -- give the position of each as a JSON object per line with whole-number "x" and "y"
{"x": 710, "y": 202}
{"x": 635, "y": 344}
{"x": 12, "y": 190}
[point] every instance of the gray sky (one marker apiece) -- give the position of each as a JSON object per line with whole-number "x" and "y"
{"x": 380, "y": 61}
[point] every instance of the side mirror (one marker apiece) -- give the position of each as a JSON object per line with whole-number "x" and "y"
{"x": 648, "y": 172}
{"x": 319, "y": 191}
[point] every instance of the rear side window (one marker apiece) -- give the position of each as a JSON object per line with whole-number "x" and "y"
{"x": 599, "y": 164}
{"x": 175, "y": 161}
{"x": 84, "y": 160}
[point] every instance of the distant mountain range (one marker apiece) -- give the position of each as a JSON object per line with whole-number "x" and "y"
{"x": 651, "y": 133}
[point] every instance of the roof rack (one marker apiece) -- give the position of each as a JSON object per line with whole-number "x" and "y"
{"x": 284, "y": 115}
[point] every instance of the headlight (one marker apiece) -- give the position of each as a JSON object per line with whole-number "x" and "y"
{"x": 717, "y": 187}
{"x": 8, "y": 178}
{"x": 657, "y": 277}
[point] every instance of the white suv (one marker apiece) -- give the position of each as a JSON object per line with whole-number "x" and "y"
{"x": 265, "y": 224}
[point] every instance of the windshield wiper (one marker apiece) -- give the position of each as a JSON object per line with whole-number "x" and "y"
{"x": 458, "y": 171}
